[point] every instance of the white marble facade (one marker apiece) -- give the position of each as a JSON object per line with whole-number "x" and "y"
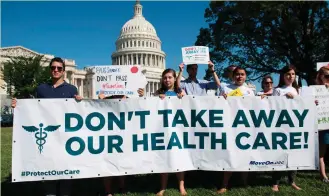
{"x": 137, "y": 44}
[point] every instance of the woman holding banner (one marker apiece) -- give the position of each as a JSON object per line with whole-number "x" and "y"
{"x": 236, "y": 89}
{"x": 322, "y": 78}
{"x": 169, "y": 87}
{"x": 267, "y": 86}
{"x": 287, "y": 87}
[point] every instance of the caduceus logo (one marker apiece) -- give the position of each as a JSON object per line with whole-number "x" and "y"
{"x": 41, "y": 133}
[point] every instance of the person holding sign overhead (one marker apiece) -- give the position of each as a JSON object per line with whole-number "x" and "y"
{"x": 287, "y": 87}
{"x": 322, "y": 78}
{"x": 192, "y": 85}
{"x": 237, "y": 88}
{"x": 169, "y": 87}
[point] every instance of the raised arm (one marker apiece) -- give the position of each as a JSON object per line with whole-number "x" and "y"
{"x": 180, "y": 73}
{"x": 211, "y": 68}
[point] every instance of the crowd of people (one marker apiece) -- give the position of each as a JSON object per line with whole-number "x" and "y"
{"x": 172, "y": 85}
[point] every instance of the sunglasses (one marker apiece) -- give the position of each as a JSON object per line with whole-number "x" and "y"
{"x": 53, "y": 68}
{"x": 326, "y": 76}
{"x": 268, "y": 83}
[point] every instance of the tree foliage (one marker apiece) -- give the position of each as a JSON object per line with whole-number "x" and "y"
{"x": 264, "y": 36}
{"x": 23, "y": 75}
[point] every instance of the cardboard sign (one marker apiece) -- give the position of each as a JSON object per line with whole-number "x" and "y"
{"x": 321, "y": 64}
{"x": 321, "y": 94}
{"x": 195, "y": 55}
{"x": 118, "y": 80}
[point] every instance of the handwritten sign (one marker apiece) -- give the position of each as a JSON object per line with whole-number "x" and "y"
{"x": 118, "y": 80}
{"x": 321, "y": 64}
{"x": 195, "y": 55}
{"x": 321, "y": 94}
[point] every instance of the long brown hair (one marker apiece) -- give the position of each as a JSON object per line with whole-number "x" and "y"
{"x": 321, "y": 72}
{"x": 163, "y": 88}
{"x": 285, "y": 70}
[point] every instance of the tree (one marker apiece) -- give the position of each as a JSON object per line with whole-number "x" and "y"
{"x": 264, "y": 36}
{"x": 23, "y": 75}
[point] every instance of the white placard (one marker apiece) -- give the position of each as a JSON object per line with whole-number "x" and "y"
{"x": 321, "y": 94}
{"x": 321, "y": 64}
{"x": 195, "y": 55}
{"x": 118, "y": 80}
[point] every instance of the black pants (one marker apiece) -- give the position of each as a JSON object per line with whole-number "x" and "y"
{"x": 276, "y": 176}
{"x": 57, "y": 187}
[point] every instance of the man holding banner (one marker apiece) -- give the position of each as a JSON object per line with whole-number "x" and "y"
{"x": 59, "y": 88}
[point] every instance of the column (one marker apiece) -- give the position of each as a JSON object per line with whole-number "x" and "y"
{"x": 143, "y": 64}
{"x": 138, "y": 59}
{"x": 148, "y": 89}
{"x": 150, "y": 84}
{"x": 148, "y": 59}
{"x": 93, "y": 90}
{"x": 126, "y": 56}
{"x": 131, "y": 59}
{"x": 156, "y": 60}
{"x": 82, "y": 87}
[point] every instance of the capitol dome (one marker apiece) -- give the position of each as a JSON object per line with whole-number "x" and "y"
{"x": 138, "y": 24}
{"x": 139, "y": 44}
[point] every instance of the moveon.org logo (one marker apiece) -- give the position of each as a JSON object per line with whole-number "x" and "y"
{"x": 40, "y": 133}
{"x": 266, "y": 163}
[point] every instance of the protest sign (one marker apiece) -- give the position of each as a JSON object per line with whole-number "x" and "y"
{"x": 195, "y": 55}
{"x": 65, "y": 139}
{"x": 321, "y": 94}
{"x": 118, "y": 80}
{"x": 321, "y": 64}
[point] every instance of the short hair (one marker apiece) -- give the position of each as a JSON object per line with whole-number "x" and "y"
{"x": 231, "y": 67}
{"x": 265, "y": 78}
{"x": 190, "y": 65}
{"x": 59, "y": 60}
{"x": 235, "y": 71}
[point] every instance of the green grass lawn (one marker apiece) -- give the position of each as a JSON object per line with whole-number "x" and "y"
{"x": 198, "y": 183}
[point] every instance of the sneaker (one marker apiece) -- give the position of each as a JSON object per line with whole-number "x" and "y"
{"x": 325, "y": 180}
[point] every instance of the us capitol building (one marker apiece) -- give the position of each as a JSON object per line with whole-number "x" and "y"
{"x": 138, "y": 44}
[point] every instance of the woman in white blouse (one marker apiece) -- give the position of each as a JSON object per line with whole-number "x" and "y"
{"x": 287, "y": 87}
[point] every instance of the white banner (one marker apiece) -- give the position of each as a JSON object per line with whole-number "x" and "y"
{"x": 118, "y": 80}
{"x": 321, "y": 94}
{"x": 195, "y": 55}
{"x": 65, "y": 139}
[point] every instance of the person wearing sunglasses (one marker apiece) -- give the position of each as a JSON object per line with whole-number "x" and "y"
{"x": 267, "y": 86}
{"x": 58, "y": 88}
{"x": 322, "y": 78}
